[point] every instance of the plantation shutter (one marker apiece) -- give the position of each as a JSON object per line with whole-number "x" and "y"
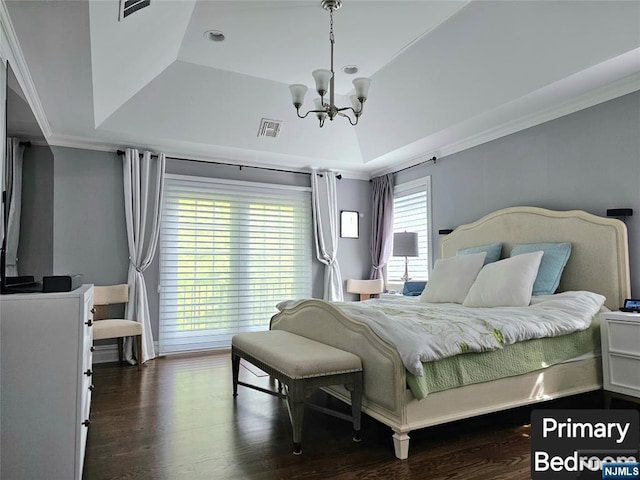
{"x": 410, "y": 212}
{"x": 229, "y": 252}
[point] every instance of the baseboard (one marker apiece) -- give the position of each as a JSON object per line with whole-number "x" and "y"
{"x": 109, "y": 353}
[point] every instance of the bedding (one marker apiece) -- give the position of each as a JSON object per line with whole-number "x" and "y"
{"x": 506, "y": 283}
{"x": 423, "y": 332}
{"x": 452, "y": 277}
{"x": 516, "y": 359}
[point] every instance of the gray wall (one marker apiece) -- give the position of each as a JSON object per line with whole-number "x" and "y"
{"x": 89, "y": 232}
{"x": 354, "y": 255}
{"x": 589, "y": 160}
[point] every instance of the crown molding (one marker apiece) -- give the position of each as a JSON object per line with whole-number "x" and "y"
{"x": 608, "y": 92}
{"x": 21, "y": 71}
{"x": 70, "y": 141}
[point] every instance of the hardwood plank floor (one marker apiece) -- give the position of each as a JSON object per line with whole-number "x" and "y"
{"x": 177, "y": 419}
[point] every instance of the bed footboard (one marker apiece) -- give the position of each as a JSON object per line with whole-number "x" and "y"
{"x": 384, "y": 389}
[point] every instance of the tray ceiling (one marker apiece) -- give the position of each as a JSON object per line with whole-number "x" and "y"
{"x": 445, "y": 74}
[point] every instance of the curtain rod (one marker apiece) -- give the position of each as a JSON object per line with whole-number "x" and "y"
{"x": 338, "y": 176}
{"x": 432, "y": 159}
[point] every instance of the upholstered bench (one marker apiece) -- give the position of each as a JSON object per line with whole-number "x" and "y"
{"x": 302, "y": 365}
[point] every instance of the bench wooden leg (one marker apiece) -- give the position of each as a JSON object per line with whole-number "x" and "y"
{"x": 235, "y": 369}
{"x": 356, "y": 405}
{"x": 295, "y": 400}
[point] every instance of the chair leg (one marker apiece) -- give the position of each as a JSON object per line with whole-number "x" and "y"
{"x": 120, "y": 349}
{"x": 139, "y": 350}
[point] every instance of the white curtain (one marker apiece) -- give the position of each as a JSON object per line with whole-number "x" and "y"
{"x": 13, "y": 183}
{"x": 324, "y": 200}
{"x": 143, "y": 189}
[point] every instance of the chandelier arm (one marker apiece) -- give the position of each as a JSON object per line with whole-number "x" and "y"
{"x": 348, "y": 117}
{"x": 310, "y": 111}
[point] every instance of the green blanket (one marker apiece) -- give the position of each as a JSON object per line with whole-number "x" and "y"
{"x": 516, "y": 359}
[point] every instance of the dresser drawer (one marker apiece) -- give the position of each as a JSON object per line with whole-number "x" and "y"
{"x": 624, "y": 372}
{"x": 624, "y": 337}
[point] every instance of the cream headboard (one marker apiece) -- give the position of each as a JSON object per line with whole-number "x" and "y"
{"x": 599, "y": 260}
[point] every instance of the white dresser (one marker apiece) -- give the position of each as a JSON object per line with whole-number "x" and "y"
{"x": 45, "y": 383}
{"x": 621, "y": 354}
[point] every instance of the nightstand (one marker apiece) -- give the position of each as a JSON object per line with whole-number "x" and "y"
{"x": 620, "y": 333}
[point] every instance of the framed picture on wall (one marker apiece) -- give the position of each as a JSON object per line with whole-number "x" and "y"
{"x": 349, "y": 227}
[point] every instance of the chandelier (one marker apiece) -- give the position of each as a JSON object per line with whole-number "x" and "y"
{"x": 325, "y": 83}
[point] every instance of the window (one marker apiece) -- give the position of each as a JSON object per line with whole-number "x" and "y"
{"x": 411, "y": 209}
{"x": 229, "y": 252}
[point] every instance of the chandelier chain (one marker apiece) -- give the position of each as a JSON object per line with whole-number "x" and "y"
{"x": 331, "y": 26}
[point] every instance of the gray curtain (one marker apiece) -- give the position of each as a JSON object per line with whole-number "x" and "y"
{"x": 13, "y": 186}
{"x": 381, "y": 223}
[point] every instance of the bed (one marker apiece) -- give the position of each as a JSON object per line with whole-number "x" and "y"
{"x": 598, "y": 263}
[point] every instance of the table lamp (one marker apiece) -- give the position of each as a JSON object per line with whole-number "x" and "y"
{"x": 405, "y": 244}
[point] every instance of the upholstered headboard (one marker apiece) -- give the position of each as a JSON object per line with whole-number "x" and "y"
{"x": 599, "y": 260}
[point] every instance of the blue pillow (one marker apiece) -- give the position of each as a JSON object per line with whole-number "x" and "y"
{"x": 553, "y": 262}
{"x": 493, "y": 251}
{"x": 413, "y": 288}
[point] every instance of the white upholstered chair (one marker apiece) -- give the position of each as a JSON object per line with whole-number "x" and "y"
{"x": 106, "y": 327}
{"x": 365, "y": 288}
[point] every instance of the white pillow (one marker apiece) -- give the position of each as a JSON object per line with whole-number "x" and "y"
{"x": 452, "y": 277}
{"x": 505, "y": 283}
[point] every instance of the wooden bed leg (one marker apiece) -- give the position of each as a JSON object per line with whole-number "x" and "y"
{"x": 401, "y": 445}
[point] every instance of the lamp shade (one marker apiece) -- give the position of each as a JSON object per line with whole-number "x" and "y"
{"x": 362, "y": 87}
{"x": 355, "y": 104}
{"x": 405, "y": 244}
{"x": 297, "y": 93}
{"x": 322, "y": 77}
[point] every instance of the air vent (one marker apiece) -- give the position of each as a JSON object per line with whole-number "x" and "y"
{"x": 269, "y": 128}
{"x": 127, "y": 7}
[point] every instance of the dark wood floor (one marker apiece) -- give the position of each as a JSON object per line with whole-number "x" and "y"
{"x": 177, "y": 419}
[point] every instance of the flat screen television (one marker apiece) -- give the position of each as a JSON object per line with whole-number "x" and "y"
{"x": 13, "y": 121}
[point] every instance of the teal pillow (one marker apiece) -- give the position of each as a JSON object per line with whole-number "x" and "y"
{"x": 553, "y": 262}
{"x": 493, "y": 251}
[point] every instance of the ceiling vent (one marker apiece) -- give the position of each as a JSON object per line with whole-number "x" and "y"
{"x": 127, "y": 7}
{"x": 269, "y": 128}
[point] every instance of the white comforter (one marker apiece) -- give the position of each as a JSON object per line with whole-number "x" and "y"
{"x": 423, "y": 332}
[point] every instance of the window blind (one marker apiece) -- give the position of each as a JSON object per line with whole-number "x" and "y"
{"x": 229, "y": 252}
{"x": 410, "y": 212}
